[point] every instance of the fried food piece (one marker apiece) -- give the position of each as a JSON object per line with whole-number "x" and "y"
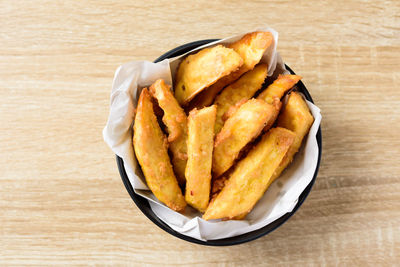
{"x": 175, "y": 119}
{"x": 202, "y": 69}
{"x": 277, "y": 104}
{"x": 151, "y": 151}
{"x": 249, "y": 180}
{"x": 200, "y": 148}
{"x": 275, "y": 92}
{"x": 251, "y": 48}
{"x": 279, "y": 87}
{"x": 277, "y": 107}
{"x": 243, "y": 89}
{"x": 232, "y": 110}
{"x": 296, "y": 117}
{"x": 244, "y": 126}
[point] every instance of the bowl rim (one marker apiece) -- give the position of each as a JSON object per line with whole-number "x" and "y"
{"x": 144, "y": 206}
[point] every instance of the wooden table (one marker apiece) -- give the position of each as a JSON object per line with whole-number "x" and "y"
{"x": 61, "y": 197}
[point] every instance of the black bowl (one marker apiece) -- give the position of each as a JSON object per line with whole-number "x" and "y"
{"x": 143, "y": 203}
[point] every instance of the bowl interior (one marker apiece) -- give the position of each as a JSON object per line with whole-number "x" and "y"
{"x": 144, "y": 206}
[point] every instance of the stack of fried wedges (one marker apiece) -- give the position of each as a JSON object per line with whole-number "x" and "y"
{"x": 220, "y": 137}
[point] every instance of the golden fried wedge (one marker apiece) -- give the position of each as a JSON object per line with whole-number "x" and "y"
{"x": 233, "y": 109}
{"x": 151, "y": 151}
{"x": 240, "y": 129}
{"x": 296, "y": 117}
{"x": 275, "y": 92}
{"x": 200, "y": 147}
{"x": 251, "y": 48}
{"x": 243, "y": 89}
{"x": 250, "y": 178}
{"x": 279, "y": 87}
{"x": 175, "y": 119}
{"x": 202, "y": 69}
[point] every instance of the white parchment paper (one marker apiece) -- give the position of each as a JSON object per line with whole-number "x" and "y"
{"x": 280, "y": 198}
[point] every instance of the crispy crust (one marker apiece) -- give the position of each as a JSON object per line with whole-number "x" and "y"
{"x": 279, "y": 87}
{"x": 251, "y": 48}
{"x": 241, "y": 90}
{"x": 296, "y": 117}
{"x": 275, "y": 91}
{"x": 250, "y": 178}
{"x": 200, "y": 70}
{"x": 150, "y": 148}
{"x": 240, "y": 129}
{"x": 230, "y": 112}
{"x": 176, "y": 121}
{"x": 200, "y": 147}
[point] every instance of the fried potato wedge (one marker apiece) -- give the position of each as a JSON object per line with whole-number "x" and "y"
{"x": 175, "y": 119}
{"x": 296, "y": 117}
{"x": 233, "y": 109}
{"x": 250, "y": 178}
{"x": 241, "y": 128}
{"x": 200, "y": 70}
{"x": 200, "y": 148}
{"x": 275, "y": 91}
{"x": 251, "y": 48}
{"x": 174, "y": 116}
{"x": 279, "y": 87}
{"x": 243, "y": 89}
{"x": 151, "y": 151}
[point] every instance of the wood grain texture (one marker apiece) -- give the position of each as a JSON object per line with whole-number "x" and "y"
{"x": 61, "y": 198}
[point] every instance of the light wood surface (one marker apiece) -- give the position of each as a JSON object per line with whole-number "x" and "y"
{"x": 61, "y": 198}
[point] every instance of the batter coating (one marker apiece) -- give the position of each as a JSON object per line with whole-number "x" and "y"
{"x": 150, "y": 147}
{"x": 250, "y": 179}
